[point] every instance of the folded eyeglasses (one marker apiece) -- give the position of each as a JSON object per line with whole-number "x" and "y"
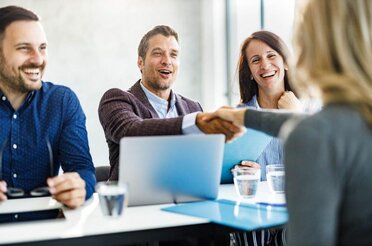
{"x": 13, "y": 192}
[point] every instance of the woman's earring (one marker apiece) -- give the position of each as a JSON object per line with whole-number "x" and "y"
{"x": 251, "y": 77}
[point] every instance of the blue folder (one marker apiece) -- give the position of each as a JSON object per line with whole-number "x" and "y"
{"x": 247, "y": 147}
{"x": 242, "y": 216}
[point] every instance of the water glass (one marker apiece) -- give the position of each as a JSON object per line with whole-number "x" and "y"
{"x": 275, "y": 178}
{"x": 246, "y": 181}
{"x": 112, "y": 198}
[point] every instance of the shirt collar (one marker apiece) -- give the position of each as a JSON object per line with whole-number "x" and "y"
{"x": 154, "y": 99}
{"x": 29, "y": 96}
{"x": 27, "y": 100}
{"x": 255, "y": 102}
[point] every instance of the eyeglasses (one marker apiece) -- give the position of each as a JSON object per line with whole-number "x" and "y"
{"x": 13, "y": 192}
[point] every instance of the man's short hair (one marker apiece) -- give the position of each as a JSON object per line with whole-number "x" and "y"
{"x": 10, "y": 14}
{"x": 163, "y": 30}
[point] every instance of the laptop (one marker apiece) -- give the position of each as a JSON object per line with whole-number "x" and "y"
{"x": 171, "y": 169}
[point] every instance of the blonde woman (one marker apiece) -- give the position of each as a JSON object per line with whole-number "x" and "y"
{"x": 328, "y": 155}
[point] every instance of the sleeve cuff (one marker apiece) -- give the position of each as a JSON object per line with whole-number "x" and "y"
{"x": 189, "y": 124}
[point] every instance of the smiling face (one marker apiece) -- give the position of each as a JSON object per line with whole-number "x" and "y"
{"x": 267, "y": 67}
{"x": 23, "y": 56}
{"x": 160, "y": 66}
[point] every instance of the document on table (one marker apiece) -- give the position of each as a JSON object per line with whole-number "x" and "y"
{"x": 247, "y": 147}
{"x": 28, "y": 204}
{"x": 243, "y": 216}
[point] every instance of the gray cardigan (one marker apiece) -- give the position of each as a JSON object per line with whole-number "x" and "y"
{"x": 328, "y": 161}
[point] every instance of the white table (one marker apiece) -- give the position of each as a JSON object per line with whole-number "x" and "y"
{"x": 88, "y": 225}
{"x": 263, "y": 194}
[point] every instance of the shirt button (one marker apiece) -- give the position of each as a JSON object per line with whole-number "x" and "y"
{"x": 3, "y": 98}
{"x": 14, "y": 175}
{"x": 14, "y": 116}
{"x": 14, "y": 146}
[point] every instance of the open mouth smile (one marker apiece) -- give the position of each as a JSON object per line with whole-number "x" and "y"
{"x": 165, "y": 71}
{"x": 268, "y": 74}
{"x": 33, "y": 74}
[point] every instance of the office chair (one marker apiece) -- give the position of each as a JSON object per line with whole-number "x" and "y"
{"x": 102, "y": 173}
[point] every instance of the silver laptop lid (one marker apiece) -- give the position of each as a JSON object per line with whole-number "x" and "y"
{"x": 166, "y": 169}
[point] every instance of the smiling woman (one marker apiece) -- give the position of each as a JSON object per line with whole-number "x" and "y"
{"x": 264, "y": 83}
{"x": 262, "y": 70}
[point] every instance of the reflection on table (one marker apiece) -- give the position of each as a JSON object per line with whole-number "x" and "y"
{"x": 266, "y": 210}
{"x": 88, "y": 225}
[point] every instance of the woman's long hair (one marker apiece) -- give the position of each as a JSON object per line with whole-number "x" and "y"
{"x": 333, "y": 47}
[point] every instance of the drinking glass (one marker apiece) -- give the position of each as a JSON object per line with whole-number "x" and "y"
{"x": 246, "y": 181}
{"x": 112, "y": 198}
{"x": 275, "y": 178}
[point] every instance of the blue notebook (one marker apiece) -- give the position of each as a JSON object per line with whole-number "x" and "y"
{"x": 242, "y": 216}
{"x": 247, "y": 147}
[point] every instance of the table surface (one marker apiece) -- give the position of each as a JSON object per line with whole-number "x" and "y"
{"x": 88, "y": 220}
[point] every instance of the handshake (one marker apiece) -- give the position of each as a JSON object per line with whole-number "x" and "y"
{"x": 226, "y": 120}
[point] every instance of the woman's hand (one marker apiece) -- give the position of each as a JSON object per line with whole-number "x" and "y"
{"x": 247, "y": 164}
{"x": 288, "y": 100}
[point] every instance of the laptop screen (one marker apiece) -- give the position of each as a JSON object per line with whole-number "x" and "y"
{"x": 166, "y": 169}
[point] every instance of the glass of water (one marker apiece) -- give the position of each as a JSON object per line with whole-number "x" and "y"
{"x": 246, "y": 181}
{"x": 275, "y": 178}
{"x": 112, "y": 198}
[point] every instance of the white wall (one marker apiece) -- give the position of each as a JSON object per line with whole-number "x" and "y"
{"x": 279, "y": 18}
{"x": 245, "y": 21}
{"x": 93, "y": 47}
{"x": 213, "y": 57}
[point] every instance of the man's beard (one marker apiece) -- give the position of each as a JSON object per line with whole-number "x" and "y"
{"x": 159, "y": 86}
{"x": 15, "y": 81}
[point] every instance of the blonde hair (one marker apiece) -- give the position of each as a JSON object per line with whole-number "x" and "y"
{"x": 333, "y": 51}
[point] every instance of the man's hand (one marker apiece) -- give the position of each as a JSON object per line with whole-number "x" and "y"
{"x": 216, "y": 125}
{"x": 68, "y": 188}
{"x": 289, "y": 101}
{"x": 3, "y": 197}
